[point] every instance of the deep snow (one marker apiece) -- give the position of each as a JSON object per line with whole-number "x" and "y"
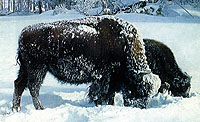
{"x": 70, "y": 103}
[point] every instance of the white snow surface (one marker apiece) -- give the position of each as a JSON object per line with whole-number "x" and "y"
{"x": 69, "y": 103}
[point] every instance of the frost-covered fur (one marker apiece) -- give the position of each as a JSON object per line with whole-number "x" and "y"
{"x": 106, "y": 51}
{"x": 162, "y": 62}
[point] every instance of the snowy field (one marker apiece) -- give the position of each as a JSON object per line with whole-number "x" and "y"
{"x": 66, "y": 103}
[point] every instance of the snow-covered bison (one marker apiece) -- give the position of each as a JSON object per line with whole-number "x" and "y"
{"x": 99, "y": 50}
{"x": 162, "y": 62}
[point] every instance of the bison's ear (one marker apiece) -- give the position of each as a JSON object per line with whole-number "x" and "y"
{"x": 188, "y": 75}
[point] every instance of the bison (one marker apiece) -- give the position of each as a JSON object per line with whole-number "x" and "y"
{"x": 162, "y": 62}
{"x": 104, "y": 51}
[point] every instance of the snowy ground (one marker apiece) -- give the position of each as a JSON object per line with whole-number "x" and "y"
{"x": 69, "y": 103}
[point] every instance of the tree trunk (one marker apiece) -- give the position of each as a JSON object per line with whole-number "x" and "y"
{"x": 19, "y": 5}
{"x": 45, "y": 6}
{"x": 104, "y": 4}
{"x": 13, "y": 5}
{"x": 40, "y": 6}
{"x": 8, "y": 5}
{"x": 28, "y": 5}
{"x": 33, "y": 5}
{"x": 105, "y": 10}
{"x": 1, "y": 5}
{"x": 4, "y": 4}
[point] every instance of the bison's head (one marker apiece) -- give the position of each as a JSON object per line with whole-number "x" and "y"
{"x": 140, "y": 89}
{"x": 181, "y": 85}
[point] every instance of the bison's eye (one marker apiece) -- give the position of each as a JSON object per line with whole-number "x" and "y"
{"x": 176, "y": 79}
{"x": 176, "y": 82}
{"x": 182, "y": 84}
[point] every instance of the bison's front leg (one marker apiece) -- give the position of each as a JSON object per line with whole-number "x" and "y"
{"x": 98, "y": 90}
{"x": 36, "y": 75}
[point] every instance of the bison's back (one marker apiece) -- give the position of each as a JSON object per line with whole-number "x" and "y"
{"x": 73, "y": 52}
{"x": 161, "y": 59}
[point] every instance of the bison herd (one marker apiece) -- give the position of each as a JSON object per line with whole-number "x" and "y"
{"x": 106, "y": 52}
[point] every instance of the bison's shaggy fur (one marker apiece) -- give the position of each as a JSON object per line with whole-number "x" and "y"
{"x": 162, "y": 62}
{"x": 105, "y": 51}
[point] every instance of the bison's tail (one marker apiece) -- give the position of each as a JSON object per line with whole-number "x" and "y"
{"x": 18, "y": 58}
{"x": 20, "y": 39}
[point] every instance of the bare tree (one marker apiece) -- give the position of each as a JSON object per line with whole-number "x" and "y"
{"x": 104, "y": 6}
{"x": 34, "y": 5}
{"x": 1, "y": 4}
{"x": 19, "y": 5}
{"x": 4, "y": 4}
{"x": 40, "y": 6}
{"x": 13, "y": 6}
{"x": 28, "y": 5}
{"x": 105, "y": 10}
{"x": 8, "y": 5}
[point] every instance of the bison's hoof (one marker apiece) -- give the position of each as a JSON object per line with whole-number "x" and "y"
{"x": 16, "y": 108}
{"x": 40, "y": 107}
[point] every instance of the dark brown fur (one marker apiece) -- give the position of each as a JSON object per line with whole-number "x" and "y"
{"x": 162, "y": 62}
{"x": 110, "y": 52}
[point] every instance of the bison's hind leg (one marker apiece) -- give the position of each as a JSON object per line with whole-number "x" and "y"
{"x": 20, "y": 84}
{"x": 36, "y": 75}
